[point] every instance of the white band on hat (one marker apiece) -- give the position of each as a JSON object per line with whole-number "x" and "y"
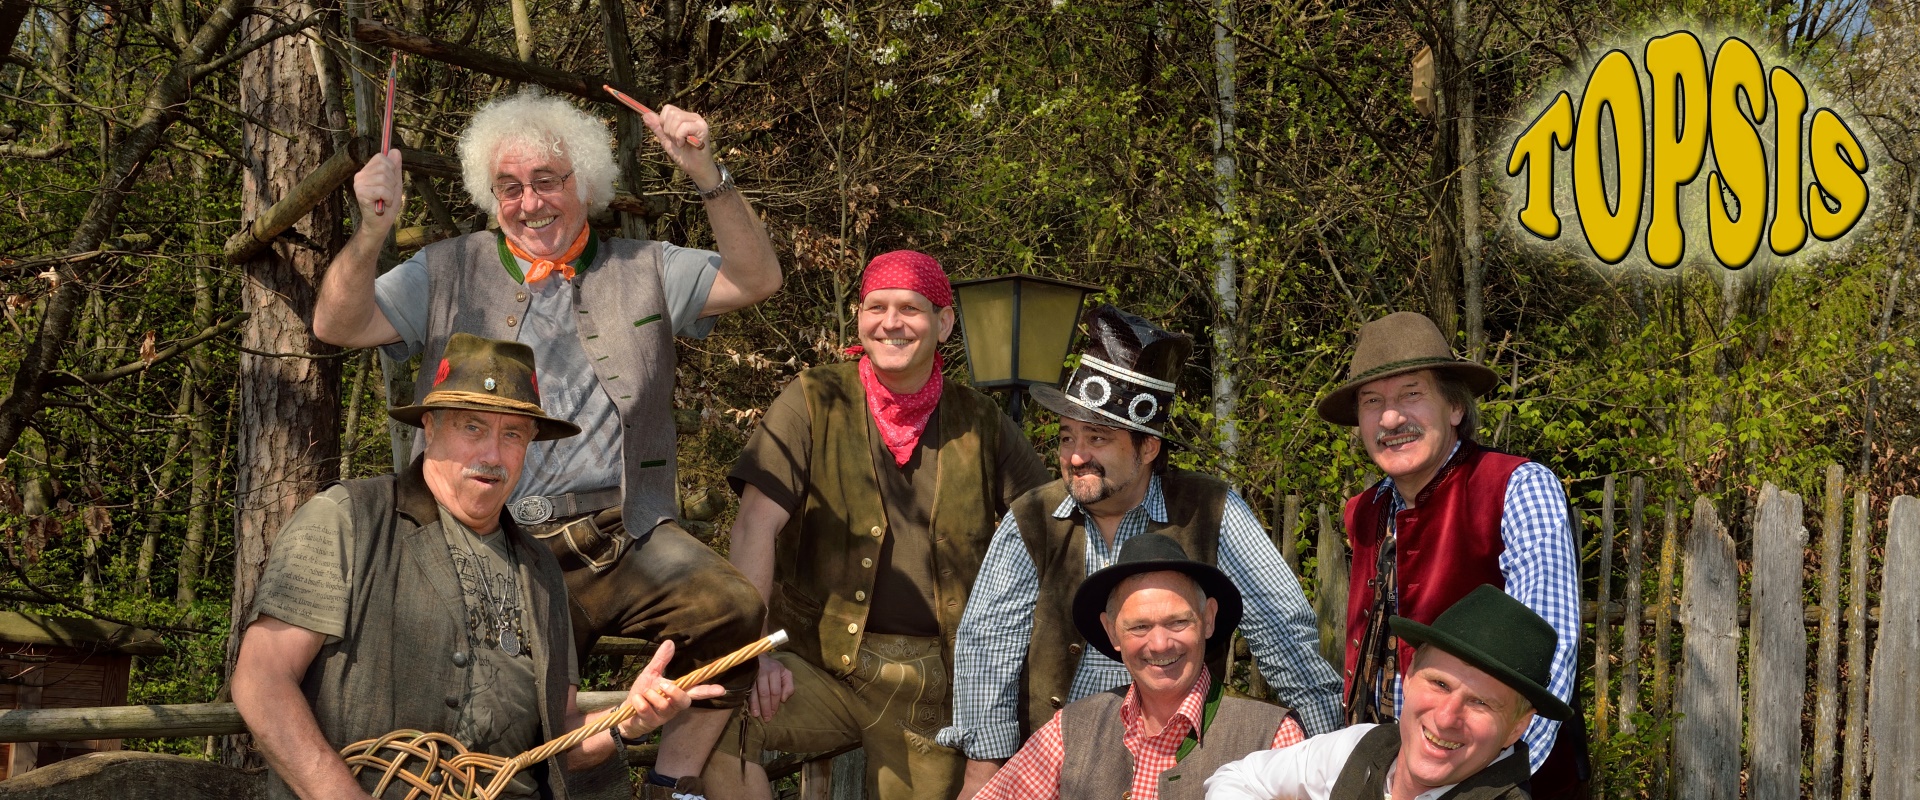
{"x": 1127, "y": 374}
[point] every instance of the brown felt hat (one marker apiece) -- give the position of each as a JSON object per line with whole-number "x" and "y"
{"x": 486, "y": 375}
{"x": 1397, "y": 343}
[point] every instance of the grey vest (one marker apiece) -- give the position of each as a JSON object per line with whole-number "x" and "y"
{"x": 1098, "y": 764}
{"x": 621, "y": 312}
{"x": 1369, "y": 767}
{"x": 396, "y": 669}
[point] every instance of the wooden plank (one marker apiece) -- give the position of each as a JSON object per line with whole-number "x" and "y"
{"x": 81, "y": 634}
{"x": 25, "y": 755}
{"x": 1290, "y": 532}
{"x": 1630, "y": 625}
{"x": 1663, "y": 645}
{"x": 816, "y": 780}
{"x": 1853, "y": 758}
{"x": 1707, "y": 735}
{"x": 850, "y": 776}
{"x": 1330, "y": 591}
{"x": 1602, "y": 628}
{"x": 1893, "y": 702}
{"x": 1826, "y": 676}
{"x": 1777, "y": 647}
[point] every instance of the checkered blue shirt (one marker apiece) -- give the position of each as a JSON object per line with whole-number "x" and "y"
{"x": 1542, "y": 570}
{"x": 991, "y": 647}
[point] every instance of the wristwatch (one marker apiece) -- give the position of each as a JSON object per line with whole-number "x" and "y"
{"x": 725, "y": 185}
{"x": 621, "y": 743}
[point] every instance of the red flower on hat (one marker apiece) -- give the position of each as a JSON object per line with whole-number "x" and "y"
{"x": 534, "y": 378}
{"x": 440, "y": 376}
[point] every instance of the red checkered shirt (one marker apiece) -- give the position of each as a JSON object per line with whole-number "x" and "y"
{"x": 1034, "y": 772}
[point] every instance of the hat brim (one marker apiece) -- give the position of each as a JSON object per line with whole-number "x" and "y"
{"x": 545, "y": 428}
{"x": 1543, "y": 701}
{"x": 1339, "y": 406}
{"x": 1090, "y": 601}
{"x": 1059, "y": 403}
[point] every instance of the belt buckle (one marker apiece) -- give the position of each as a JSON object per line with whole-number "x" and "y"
{"x": 532, "y": 510}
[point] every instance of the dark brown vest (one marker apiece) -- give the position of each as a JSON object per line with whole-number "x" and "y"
{"x": 829, "y": 550}
{"x": 1058, "y": 548}
{"x": 1098, "y": 764}
{"x": 395, "y": 668}
{"x": 1369, "y": 768}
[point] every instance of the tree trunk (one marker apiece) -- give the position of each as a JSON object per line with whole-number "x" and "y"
{"x": 289, "y": 407}
{"x": 1226, "y": 283}
{"x": 1443, "y": 301}
{"x": 1461, "y": 87}
{"x": 163, "y": 485}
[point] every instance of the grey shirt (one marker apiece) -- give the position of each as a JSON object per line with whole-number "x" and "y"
{"x": 571, "y": 391}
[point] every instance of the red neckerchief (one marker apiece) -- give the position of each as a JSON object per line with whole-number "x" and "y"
{"x": 901, "y": 418}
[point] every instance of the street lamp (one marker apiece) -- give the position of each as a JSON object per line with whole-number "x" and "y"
{"x": 1018, "y": 330}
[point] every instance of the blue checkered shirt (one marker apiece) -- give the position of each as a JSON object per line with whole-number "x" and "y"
{"x": 1542, "y": 570}
{"x": 991, "y": 647}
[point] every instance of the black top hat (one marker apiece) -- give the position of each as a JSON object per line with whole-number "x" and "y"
{"x": 487, "y": 375}
{"x": 1154, "y": 552}
{"x": 1126, "y": 375}
{"x": 1500, "y": 635}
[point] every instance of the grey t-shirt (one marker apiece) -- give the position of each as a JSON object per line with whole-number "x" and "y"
{"x": 308, "y": 580}
{"x": 571, "y": 392}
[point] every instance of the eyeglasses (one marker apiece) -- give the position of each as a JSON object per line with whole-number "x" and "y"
{"x": 545, "y": 187}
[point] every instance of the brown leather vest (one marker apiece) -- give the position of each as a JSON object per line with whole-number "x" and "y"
{"x": 829, "y": 550}
{"x": 1098, "y": 764}
{"x": 1058, "y": 548}
{"x": 1369, "y": 768}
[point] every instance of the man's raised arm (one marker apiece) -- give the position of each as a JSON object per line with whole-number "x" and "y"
{"x": 344, "y": 314}
{"x": 274, "y": 656}
{"x": 749, "y": 269}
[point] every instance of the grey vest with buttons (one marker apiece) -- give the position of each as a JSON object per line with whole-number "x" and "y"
{"x": 620, "y": 309}
{"x": 1098, "y": 764}
{"x": 405, "y": 660}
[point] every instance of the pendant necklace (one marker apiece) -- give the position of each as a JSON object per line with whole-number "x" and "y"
{"x": 508, "y": 638}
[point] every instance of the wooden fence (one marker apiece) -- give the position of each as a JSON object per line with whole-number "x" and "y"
{"x": 1673, "y": 608}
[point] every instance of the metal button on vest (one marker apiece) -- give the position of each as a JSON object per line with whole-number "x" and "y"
{"x": 846, "y": 659}
{"x": 867, "y": 563}
{"x": 459, "y": 658}
{"x": 520, "y": 297}
{"x": 1074, "y": 649}
{"x": 1052, "y": 701}
{"x": 853, "y": 627}
{"x": 453, "y": 701}
{"x": 877, "y": 530}
{"x": 512, "y": 320}
{"x": 861, "y": 596}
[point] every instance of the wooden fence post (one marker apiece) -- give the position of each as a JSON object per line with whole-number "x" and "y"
{"x": 1602, "y": 627}
{"x": 1894, "y": 694}
{"x": 1826, "y": 704}
{"x": 1707, "y": 738}
{"x": 1663, "y": 648}
{"x": 1854, "y": 758}
{"x": 1330, "y": 593}
{"x": 1777, "y": 647}
{"x": 1630, "y": 627}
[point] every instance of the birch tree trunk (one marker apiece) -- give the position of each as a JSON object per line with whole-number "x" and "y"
{"x": 1226, "y": 282}
{"x": 289, "y": 407}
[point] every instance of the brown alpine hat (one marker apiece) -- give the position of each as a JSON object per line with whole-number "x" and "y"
{"x": 1396, "y": 343}
{"x": 487, "y": 375}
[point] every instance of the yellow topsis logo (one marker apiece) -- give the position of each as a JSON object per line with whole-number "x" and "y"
{"x": 1693, "y": 112}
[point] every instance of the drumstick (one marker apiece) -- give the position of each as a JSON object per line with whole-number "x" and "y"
{"x": 637, "y": 106}
{"x": 386, "y": 126}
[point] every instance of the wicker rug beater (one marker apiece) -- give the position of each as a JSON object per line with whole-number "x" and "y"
{"x": 437, "y": 767}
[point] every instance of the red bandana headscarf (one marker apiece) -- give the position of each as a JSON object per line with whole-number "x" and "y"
{"x": 902, "y": 418}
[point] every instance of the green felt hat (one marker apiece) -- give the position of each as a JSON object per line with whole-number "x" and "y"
{"x": 1501, "y": 636}
{"x": 486, "y": 375}
{"x": 1397, "y": 343}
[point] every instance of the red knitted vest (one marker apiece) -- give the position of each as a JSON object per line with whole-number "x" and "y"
{"x": 1449, "y": 543}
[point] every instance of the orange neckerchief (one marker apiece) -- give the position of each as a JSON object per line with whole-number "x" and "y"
{"x": 542, "y": 267}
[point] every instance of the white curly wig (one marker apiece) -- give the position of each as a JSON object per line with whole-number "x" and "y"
{"x": 538, "y": 123}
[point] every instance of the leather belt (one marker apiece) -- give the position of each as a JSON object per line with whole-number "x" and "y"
{"x": 535, "y": 509}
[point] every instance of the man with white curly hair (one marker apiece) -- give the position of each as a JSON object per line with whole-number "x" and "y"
{"x": 601, "y": 315}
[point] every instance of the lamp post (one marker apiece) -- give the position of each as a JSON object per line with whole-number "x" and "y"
{"x": 1018, "y": 330}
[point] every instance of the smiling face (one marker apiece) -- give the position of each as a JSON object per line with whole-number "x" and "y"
{"x": 1455, "y": 721}
{"x": 1407, "y": 426}
{"x": 901, "y": 331}
{"x": 542, "y": 225}
{"x": 1160, "y": 625}
{"x": 1102, "y": 465}
{"x": 473, "y": 460}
